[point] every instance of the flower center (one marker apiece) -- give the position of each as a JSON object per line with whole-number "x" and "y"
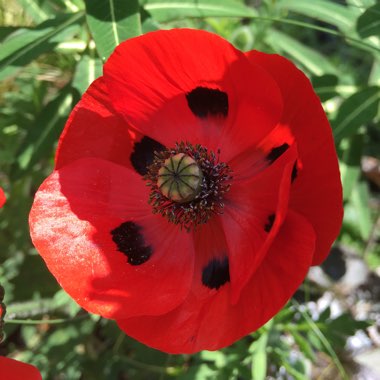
{"x": 180, "y": 178}
{"x": 187, "y": 184}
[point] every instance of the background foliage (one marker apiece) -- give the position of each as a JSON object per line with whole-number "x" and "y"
{"x": 51, "y": 50}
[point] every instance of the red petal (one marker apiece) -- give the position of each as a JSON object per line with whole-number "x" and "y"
{"x": 71, "y": 221}
{"x": 149, "y": 77}
{"x": 94, "y": 129}
{"x": 11, "y": 369}
{"x": 2, "y": 197}
{"x": 317, "y": 191}
{"x": 213, "y": 322}
{"x": 255, "y": 209}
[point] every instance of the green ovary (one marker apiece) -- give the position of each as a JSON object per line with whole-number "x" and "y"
{"x": 180, "y": 178}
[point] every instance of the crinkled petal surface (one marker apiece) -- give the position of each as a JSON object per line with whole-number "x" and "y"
{"x": 208, "y": 320}
{"x": 92, "y": 225}
{"x": 317, "y": 192}
{"x": 11, "y": 369}
{"x": 191, "y": 85}
{"x": 94, "y": 129}
{"x": 255, "y": 210}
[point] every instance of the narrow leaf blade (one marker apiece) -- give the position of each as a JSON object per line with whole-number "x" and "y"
{"x": 88, "y": 69}
{"x": 25, "y": 45}
{"x": 327, "y": 11}
{"x": 169, "y": 10}
{"x": 43, "y": 134}
{"x": 357, "y": 110}
{"x": 315, "y": 62}
{"x": 112, "y": 22}
{"x": 369, "y": 22}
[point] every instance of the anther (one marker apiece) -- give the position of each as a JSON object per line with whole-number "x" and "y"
{"x": 187, "y": 184}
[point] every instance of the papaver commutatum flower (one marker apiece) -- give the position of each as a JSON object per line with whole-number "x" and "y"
{"x": 11, "y": 369}
{"x": 194, "y": 186}
{"x": 2, "y": 197}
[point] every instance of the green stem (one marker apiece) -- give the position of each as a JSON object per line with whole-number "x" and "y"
{"x": 144, "y": 366}
{"x": 323, "y": 340}
{"x": 118, "y": 342}
{"x": 297, "y": 327}
{"x": 44, "y": 321}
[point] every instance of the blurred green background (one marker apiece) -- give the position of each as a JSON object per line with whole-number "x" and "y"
{"x": 51, "y": 50}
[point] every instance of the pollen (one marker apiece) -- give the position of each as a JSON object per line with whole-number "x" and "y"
{"x": 180, "y": 178}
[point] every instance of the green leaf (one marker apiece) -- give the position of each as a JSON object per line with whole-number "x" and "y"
{"x": 28, "y": 309}
{"x": 63, "y": 300}
{"x": 65, "y": 5}
{"x": 355, "y": 111}
{"x": 360, "y": 201}
{"x": 169, "y": 10}
{"x": 243, "y": 38}
{"x": 88, "y": 69}
{"x": 368, "y": 23}
{"x": 112, "y": 22}
{"x": 304, "y": 345}
{"x": 350, "y": 169}
{"x": 325, "y": 86}
{"x": 259, "y": 357}
{"x": 34, "y": 10}
{"x": 360, "y": 4}
{"x": 295, "y": 372}
{"x": 345, "y": 325}
{"x": 327, "y": 11}
{"x": 217, "y": 357}
{"x": 148, "y": 24}
{"x": 374, "y": 78}
{"x": 315, "y": 62}
{"x": 5, "y": 31}
{"x": 44, "y": 133}
{"x": 199, "y": 372}
{"x": 25, "y": 45}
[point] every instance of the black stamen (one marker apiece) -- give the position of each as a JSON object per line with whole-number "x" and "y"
{"x": 276, "y": 152}
{"x": 216, "y": 273}
{"x": 143, "y": 154}
{"x": 205, "y": 102}
{"x": 269, "y": 225}
{"x": 130, "y": 241}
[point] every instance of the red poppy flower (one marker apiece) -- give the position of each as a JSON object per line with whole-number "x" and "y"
{"x": 194, "y": 186}
{"x": 11, "y": 369}
{"x": 2, "y": 197}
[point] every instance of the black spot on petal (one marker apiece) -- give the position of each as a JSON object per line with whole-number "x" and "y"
{"x": 205, "y": 102}
{"x": 294, "y": 172}
{"x": 268, "y": 226}
{"x": 130, "y": 241}
{"x": 143, "y": 154}
{"x": 216, "y": 273}
{"x": 277, "y": 152}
